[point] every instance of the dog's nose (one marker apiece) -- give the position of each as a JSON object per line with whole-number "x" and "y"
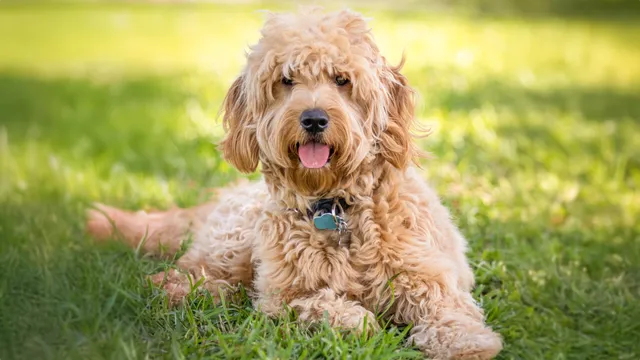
{"x": 314, "y": 121}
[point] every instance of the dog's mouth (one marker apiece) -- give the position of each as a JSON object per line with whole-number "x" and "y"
{"x": 314, "y": 154}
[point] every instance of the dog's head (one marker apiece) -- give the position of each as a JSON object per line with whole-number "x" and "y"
{"x": 316, "y": 101}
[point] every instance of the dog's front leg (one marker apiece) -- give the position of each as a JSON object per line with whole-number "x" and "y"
{"x": 447, "y": 323}
{"x": 291, "y": 271}
{"x": 340, "y": 312}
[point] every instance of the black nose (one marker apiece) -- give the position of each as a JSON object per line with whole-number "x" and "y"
{"x": 314, "y": 121}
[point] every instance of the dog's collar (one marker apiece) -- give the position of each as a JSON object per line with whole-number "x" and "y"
{"x": 328, "y": 214}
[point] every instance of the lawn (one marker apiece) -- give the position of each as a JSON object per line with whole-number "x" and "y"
{"x": 536, "y": 149}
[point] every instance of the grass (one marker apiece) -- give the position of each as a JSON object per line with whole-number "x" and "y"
{"x": 535, "y": 150}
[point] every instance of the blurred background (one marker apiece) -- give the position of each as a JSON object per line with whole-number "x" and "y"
{"x": 535, "y": 107}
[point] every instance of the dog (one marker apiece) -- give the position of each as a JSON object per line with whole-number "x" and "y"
{"x": 341, "y": 212}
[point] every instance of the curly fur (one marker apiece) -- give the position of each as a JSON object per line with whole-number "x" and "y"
{"x": 256, "y": 233}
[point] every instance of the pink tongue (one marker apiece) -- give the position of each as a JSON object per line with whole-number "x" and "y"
{"x": 313, "y": 155}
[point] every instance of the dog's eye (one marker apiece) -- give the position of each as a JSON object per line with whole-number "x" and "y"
{"x": 341, "y": 80}
{"x": 287, "y": 81}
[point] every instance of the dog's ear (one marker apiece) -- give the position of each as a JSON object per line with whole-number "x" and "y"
{"x": 396, "y": 145}
{"x": 240, "y": 145}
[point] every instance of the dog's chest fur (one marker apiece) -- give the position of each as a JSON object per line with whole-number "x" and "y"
{"x": 358, "y": 264}
{"x": 353, "y": 263}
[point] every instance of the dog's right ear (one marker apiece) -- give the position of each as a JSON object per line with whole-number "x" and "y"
{"x": 240, "y": 145}
{"x": 396, "y": 140}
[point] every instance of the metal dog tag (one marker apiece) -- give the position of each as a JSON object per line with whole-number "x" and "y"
{"x": 325, "y": 221}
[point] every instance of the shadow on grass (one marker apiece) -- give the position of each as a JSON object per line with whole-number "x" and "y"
{"x": 57, "y": 291}
{"x": 590, "y": 10}
{"x": 588, "y": 127}
{"x": 589, "y": 103}
{"x": 139, "y": 123}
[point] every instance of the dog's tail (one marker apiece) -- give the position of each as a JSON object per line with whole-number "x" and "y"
{"x": 157, "y": 233}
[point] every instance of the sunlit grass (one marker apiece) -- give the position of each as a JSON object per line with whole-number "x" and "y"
{"x": 535, "y": 150}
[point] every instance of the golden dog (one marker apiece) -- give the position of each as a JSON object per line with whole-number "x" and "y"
{"x": 341, "y": 210}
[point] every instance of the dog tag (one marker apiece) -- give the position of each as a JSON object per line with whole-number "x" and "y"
{"x": 325, "y": 221}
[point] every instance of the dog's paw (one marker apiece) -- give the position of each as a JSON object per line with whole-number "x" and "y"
{"x": 354, "y": 319}
{"x": 456, "y": 340}
{"x": 176, "y": 285}
{"x": 481, "y": 344}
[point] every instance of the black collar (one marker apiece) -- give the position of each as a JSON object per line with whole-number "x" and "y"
{"x": 324, "y": 206}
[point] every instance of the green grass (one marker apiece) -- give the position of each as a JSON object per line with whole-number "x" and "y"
{"x": 536, "y": 151}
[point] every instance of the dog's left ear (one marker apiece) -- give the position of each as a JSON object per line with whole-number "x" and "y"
{"x": 240, "y": 145}
{"x": 396, "y": 144}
